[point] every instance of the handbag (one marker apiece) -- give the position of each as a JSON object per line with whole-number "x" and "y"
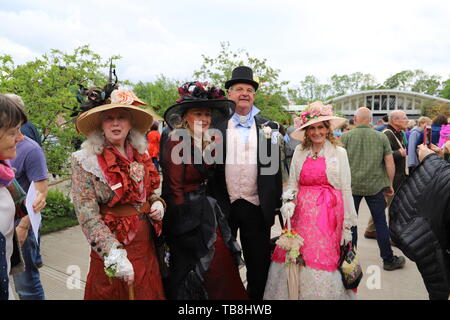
{"x": 349, "y": 267}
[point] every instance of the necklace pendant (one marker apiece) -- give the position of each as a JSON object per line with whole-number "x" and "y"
{"x": 314, "y": 157}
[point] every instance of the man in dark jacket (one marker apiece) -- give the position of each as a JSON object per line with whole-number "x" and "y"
{"x": 249, "y": 191}
{"x": 420, "y": 221}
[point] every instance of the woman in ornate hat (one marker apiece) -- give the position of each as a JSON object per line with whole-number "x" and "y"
{"x": 204, "y": 255}
{"x": 320, "y": 207}
{"x": 113, "y": 184}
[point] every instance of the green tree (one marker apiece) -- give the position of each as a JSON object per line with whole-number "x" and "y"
{"x": 414, "y": 80}
{"x": 433, "y": 108}
{"x": 270, "y": 97}
{"x": 47, "y": 86}
{"x": 311, "y": 90}
{"x": 294, "y": 95}
{"x": 159, "y": 94}
{"x": 445, "y": 92}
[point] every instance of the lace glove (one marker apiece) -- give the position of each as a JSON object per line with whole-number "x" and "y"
{"x": 117, "y": 265}
{"x": 287, "y": 210}
{"x": 159, "y": 213}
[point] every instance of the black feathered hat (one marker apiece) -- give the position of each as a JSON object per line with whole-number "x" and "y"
{"x": 200, "y": 95}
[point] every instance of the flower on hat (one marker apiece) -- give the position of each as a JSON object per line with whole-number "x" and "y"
{"x": 298, "y": 122}
{"x": 123, "y": 96}
{"x": 315, "y": 110}
{"x": 199, "y": 90}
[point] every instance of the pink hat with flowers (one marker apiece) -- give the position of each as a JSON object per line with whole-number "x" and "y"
{"x": 314, "y": 113}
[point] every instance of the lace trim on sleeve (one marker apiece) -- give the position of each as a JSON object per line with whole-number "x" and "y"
{"x": 89, "y": 163}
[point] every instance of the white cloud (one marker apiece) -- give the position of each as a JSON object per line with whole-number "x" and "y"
{"x": 19, "y": 53}
{"x": 298, "y": 37}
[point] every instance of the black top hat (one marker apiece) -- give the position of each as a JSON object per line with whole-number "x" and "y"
{"x": 242, "y": 74}
{"x": 196, "y": 94}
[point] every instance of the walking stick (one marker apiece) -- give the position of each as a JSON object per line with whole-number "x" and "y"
{"x": 131, "y": 292}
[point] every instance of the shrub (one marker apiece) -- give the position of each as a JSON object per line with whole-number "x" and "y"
{"x": 59, "y": 212}
{"x": 58, "y": 205}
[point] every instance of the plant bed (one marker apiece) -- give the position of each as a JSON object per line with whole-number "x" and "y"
{"x": 57, "y": 224}
{"x": 58, "y": 214}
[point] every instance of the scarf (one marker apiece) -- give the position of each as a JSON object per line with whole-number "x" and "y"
{"x": 6, "y": 173}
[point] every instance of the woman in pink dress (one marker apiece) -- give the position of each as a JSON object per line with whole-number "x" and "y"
{"x": 320, "y": 207}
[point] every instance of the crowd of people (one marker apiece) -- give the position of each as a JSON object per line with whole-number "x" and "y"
{"x": 175, "y": 215}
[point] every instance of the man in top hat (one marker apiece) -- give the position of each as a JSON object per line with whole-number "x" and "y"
{"x": 249, "y": 184}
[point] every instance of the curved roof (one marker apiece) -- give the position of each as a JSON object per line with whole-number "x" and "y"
{"x": 390, "y": 91}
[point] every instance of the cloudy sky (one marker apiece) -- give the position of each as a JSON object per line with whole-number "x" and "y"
{"x": 168, "y": 37}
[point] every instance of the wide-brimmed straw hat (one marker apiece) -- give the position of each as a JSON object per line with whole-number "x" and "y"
{"x": 200, "y": 95}
{"x": 314, "y": 113}
{"x": 91, "y": 120}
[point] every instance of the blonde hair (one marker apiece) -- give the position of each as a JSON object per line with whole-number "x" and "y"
{"x": 411, "y": 124}
{"x": 423, "y": 120}
{"x": 307, "y": 143}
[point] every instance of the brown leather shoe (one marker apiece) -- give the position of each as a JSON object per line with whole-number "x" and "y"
{"x": 370, "y": 234}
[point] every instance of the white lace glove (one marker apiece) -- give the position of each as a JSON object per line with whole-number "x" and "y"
{"x": 118, "y": 265}
{"x": 347, "y": 236}
{"x": 287, "y": 210}
{"x": 159, "y": 213}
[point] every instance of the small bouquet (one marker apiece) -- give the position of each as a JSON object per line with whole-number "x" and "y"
{"x": 290, "y": 241}
{"x": 111, "y": 262}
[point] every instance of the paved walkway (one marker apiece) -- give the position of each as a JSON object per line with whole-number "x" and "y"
{"x": 66, "y": 262}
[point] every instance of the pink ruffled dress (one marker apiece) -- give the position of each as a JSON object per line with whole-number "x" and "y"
{"x": 318, "y": 218}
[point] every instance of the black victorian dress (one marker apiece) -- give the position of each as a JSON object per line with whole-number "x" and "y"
{"x": 204, "y": 257}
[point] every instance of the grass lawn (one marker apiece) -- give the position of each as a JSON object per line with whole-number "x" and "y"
{"x": 57, "y": 223}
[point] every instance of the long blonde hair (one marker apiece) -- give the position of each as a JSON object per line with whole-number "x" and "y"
{"x": 307, "y": 143}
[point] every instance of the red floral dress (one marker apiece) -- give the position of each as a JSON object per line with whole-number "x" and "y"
{"x": 105, "y": 181}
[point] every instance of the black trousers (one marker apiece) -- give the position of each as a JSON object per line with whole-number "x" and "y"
{"x": 255, "y": 241}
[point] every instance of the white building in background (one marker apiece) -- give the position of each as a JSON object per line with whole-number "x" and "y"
{"x": 295, "y": 108}
{"x": 382, "y": 102}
